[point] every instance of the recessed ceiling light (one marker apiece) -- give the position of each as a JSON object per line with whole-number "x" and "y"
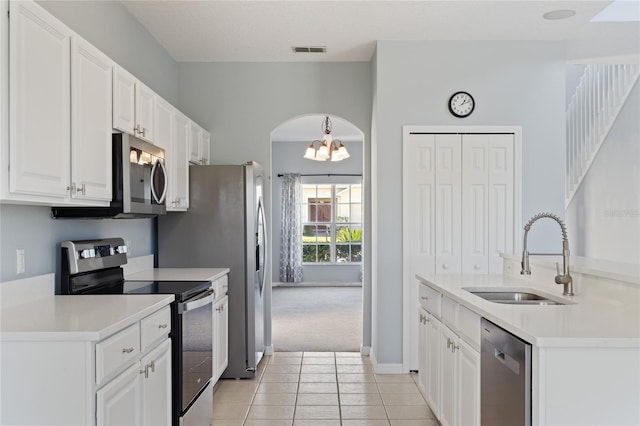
{"x": 555, "y": 15}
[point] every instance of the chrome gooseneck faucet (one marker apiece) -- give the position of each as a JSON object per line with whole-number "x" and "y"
{"x": 565, "y": 278}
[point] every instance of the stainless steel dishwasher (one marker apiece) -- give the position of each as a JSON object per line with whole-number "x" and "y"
{"x": 505, "y": 378}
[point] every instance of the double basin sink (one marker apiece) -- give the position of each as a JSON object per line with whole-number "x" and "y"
{"x": 514, "y": 297}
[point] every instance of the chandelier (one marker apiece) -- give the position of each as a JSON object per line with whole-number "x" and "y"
{"x": 328, "y": 148}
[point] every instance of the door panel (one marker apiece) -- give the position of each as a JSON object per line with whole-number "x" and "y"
{"x": 448, "y": 179}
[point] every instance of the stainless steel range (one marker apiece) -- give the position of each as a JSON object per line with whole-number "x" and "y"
{"x": 95, "y": 267}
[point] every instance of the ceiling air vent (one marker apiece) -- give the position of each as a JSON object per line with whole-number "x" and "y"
{"x": 309, "y": 49}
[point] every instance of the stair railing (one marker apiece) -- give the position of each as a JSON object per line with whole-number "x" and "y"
{"x": 599, "y": 97}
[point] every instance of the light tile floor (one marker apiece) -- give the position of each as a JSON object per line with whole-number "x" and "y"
{"x": 320, "y": 389}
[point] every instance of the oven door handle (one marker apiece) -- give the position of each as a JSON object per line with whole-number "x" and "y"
{"x": 201, "y": 301}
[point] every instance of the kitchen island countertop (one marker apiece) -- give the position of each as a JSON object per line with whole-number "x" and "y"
{"x": 588, "y": 320}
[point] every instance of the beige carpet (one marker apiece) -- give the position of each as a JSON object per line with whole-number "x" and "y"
{"x": 317, "y": 319}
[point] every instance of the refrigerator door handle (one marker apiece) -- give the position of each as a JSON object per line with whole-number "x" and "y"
{"x": 263, "y": 253}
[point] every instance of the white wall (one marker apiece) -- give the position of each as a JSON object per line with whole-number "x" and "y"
{"x": 287, "y": 158}
{"x": 513, "y": 83}
{"x": 604, "y": 216}
{"x": 108, "y": 26}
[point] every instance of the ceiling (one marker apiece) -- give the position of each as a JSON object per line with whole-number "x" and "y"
{"x": 266, "y": 30}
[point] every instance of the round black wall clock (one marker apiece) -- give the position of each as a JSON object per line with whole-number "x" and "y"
{"x": 461, "y": 104}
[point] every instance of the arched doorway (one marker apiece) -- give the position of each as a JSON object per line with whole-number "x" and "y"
{"x": 333, "y": 206}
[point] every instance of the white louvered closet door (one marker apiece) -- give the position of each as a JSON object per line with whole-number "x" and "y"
{"x": 501, "y": 210}
{"x": 448, "y": 182}
{"x": 487, "y": 201}
{"x": 421, "y": 204}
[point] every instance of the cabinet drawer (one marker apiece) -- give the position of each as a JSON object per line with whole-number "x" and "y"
{"x": 155, "y": 326}
{"x": 469, "y": 326}
{"x": 449, "y": 308}
{"x": 430, "y": 299}
{"x": 221, "y": 286}
{"x": 117, "y": 351}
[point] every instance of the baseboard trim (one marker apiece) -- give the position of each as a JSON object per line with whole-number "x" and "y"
{"x": 384, "y": 368}
{"x": 268, "y": 350}
{"x": 365, "y": 350}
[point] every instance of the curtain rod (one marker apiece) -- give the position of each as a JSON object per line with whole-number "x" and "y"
{"x": 326, "y": 174}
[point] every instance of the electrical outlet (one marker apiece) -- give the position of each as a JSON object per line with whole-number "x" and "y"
{"x": 20, "y": 269}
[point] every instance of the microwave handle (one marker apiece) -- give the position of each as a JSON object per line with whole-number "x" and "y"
{"x": 160, "y": 199}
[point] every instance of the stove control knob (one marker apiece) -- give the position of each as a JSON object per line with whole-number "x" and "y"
{"x": 87, "y": 254}
{"x": 121, "y": 249}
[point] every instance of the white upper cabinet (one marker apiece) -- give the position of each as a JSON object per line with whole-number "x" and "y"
{"x": 39, "y": 138}
{"x": 91, "y": 81}
{"x": 124, "y": 95}
{"x": 145, "y": 110}
{"x": 205, "y": 147}
{"x": 199, "y": 141}
{"x": 180, "y": 190}
{"x": 60, "y": 129}
{"x": 172, "y": 134}
{"x": 133, "y": 106}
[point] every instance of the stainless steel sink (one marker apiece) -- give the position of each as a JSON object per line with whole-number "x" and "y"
{"x": 514, "y": 297}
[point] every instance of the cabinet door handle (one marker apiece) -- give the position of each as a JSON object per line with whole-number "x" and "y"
{"x": 127, "y": 350}
{"x": 145, "y": 371}
{"x": 72, "y": 187}
{"x": 163, "y": 326}
{"x": 445, "y": 266}
{"x": 136, "y": 129}
{"x": 82, "y": 189}
{"x": 448, "y": 343}
{"x": 153, "y": 366}
{"x": 476, "y": 267}
{"x": 424, "y": 298}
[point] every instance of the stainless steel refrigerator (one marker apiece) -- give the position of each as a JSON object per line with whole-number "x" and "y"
{"x": 225, "y": 227}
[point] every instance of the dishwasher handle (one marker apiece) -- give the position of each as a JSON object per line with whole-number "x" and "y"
{"x": 508, "y": 362}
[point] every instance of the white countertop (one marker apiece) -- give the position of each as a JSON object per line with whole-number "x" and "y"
{"x": 74, "y": 318}
{"x": 588, "y": 322}
{"x": 178, "y": 274}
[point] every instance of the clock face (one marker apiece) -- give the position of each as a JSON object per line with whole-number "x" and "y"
{"x": 461, "y": 104}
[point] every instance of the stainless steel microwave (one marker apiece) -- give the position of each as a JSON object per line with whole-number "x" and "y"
{"x": 140, "y": 183}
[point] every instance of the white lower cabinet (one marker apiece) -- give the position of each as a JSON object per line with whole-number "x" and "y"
{"x": 222, "y": 336}
{"x": 433, "y": 365}
{"x": 123, "y": 379}
{"x": 451, "y": 380}
{"x": 423, "y": 336}
{"x": 220, "y": 327}
{"x": 156, "y": 386}
{"x": 120, "y": 401}
{"x": 468, "y": 389}
{"x": 448, "y": 341}
{"x": 141, "y": 395}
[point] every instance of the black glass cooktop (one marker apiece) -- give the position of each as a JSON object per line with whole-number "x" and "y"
{"x": 182, "y": 290}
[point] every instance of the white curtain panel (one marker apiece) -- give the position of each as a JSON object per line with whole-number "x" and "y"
{"x": 291, "y": 229}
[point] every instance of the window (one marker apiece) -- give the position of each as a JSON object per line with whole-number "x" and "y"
{"x": 332, "y": 223}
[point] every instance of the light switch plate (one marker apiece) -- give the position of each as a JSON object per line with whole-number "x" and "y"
{"x": 20, "y": 268}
